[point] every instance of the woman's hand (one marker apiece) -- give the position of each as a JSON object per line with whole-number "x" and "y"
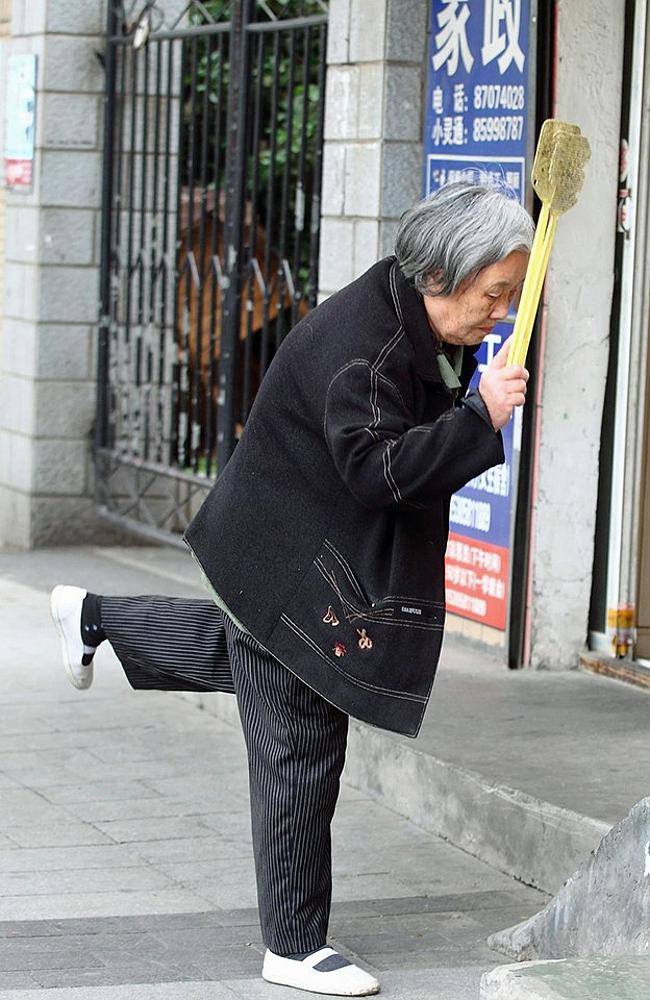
{"x": 502, "y": 387}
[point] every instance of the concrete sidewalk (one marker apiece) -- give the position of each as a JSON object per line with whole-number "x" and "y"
{"x": 125, "y": 859}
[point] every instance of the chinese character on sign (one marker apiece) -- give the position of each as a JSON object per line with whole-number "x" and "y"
{"x": 459, "y": 130}
{"x": 437, "y": 100}
{"x": 502, "y": 41}
{"x": 460, "y": 101}
{"x": 451, "y": 41}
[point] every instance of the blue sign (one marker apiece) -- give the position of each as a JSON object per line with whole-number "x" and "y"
{"x": 477, "y": 129}
{"x": 477, "y": 95}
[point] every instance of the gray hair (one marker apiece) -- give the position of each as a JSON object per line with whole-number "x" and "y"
{"x": 456, "y": 232}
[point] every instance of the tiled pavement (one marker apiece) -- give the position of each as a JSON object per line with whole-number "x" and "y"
{"x": 125, "y": 858}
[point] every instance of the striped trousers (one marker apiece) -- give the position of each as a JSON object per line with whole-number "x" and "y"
{"x": 295, "y": 741}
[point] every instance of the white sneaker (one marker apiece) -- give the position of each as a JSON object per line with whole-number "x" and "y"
{"x": 323, "y": 972}
{"x": 65, "y": 608}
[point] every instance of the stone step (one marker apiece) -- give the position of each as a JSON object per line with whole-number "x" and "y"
{"x": 535, "y": 841}
{"x": 621, "y": 978}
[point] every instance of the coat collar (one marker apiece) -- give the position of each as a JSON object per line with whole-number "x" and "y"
{"x": 412, "y": 315}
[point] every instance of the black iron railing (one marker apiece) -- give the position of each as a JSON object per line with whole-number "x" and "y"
{"x": 213, "y": 137}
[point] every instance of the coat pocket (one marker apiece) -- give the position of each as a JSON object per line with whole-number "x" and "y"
{"x": 355, "y": 604}
{"x": 388, "y": 645}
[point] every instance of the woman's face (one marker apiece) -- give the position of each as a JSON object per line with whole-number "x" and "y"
{"x": 469, "y": 314}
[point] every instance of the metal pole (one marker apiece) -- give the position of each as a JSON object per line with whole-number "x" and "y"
{"x": 235, "y": 186}
{"x": 101, "y": 421}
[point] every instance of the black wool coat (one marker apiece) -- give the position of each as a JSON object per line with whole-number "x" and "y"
{"x": 325, "y": 534}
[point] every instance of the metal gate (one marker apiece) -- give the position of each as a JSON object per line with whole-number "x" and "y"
{"x": 210, "y": 226}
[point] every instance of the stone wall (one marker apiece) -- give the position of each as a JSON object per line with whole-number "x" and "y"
{"x": 47, "y": 391}
{"x": 372, "y": 167}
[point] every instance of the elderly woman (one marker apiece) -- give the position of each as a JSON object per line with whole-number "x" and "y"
{"x": 323, "y": 544}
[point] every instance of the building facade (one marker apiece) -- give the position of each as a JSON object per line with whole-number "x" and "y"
{"x": 579, "y": 536}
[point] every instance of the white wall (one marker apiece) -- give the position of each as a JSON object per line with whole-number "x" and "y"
{"x": 589, "y": 82}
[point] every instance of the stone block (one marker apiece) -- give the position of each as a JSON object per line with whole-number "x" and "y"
{"x": 333, "y": 178}
{"x": 367, "y": 30}
{"x": 602, "y": 909}
{"x": 402, "y": 178}
{"x": 69, "y": 294}
{"x": 63, "y": 351}
{"x": 16, "y": 460}
{"x": 28, "y": 17}
{"x": 17, "y": 404}
{"x": 70, "y": 121}
{"x": 71, "y": 64}
{"x": 20, "y": 288}
{"x": 362, "y": 179}
{"x": 67, "y": 236}
{"x": 85, "y": 17}
{"x": 341, "y": 102}
{"x": 366, "y": 245}
{"x": 403, "y": 103}
{"x": 387, "y": 235}
{"x": 71, "y": 178}
{"x": 18, "y": 342}
{"x": 21, "y": 234}
{"x": 596, "y": 978}
{"x": 59, "y": 467}
{"x": 338, "y": 32}
{"x": 371, "y": 100}
{"x": 66, "y": 521}
{"x": 64, "y": 409}
{"x": 406, "y": 32}
{"x": 15, "y": 530}
{"x": 336, "y": 254}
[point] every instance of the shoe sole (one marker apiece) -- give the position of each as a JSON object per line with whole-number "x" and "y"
{"x": 323, "y": 992}
{"x": 74, "y": 680}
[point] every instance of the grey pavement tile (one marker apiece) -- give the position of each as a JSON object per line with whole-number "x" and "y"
{"x": 59, "y": 834}
{"x": 16, "y": 981}
{"x": 133, "y": 973}
{"x": 23, "y": 807}
{"x": 45, "y": 859}
{"x": 461, "y": 983}
{"x": 98, "y": 791}
{"x": 222, "y": 869}
{"x": 41, "y": 778}
{"x": 201, "y": 849}
{"x": 230, "y": 824}
{"x": 396, "y": 960}
{"x": 451, "y": 879}
{"x": 138, "y": 924}
{"x": 375, "y": 941}
{"x": 32, "y": 960}
{"x": 28, "y": 929}
{"x": 6, "y": 781}
{"x": 366, "y": 886}
{"x": 197, "y": 990}
{"x": 228, "y": 896}
{"x": 100, "y": 904}
{"x": 42, "y": 739}
{"x": 98, "y": 812}
{"x": 150, "y": 829}
{"x": 85, "y": 880}
{"x": 23, "y": 759}
{"x": 247, "y": 916}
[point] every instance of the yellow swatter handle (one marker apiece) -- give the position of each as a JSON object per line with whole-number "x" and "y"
{"x": 533, "y": 285}
{"x": 532, "y": 303}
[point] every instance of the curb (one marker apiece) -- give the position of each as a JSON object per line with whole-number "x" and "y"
{"x": 527, "y": 838}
